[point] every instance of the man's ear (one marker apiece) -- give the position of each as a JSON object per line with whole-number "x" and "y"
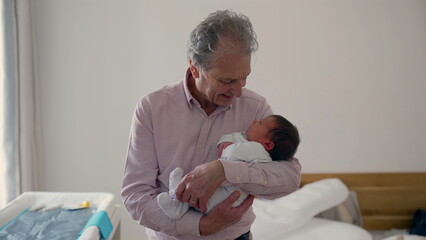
{"x": 268, "y": 145}
{"x": 193, "y": 69}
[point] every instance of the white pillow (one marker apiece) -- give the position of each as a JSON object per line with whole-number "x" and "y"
{"x": 300, "y": 206}
{"x": 405, "y": 237}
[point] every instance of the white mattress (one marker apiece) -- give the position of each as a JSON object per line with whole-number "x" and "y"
{"x": 395, "y": 234}
{"x": 315, "y": 228}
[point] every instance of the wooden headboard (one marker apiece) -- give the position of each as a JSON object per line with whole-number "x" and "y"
{"x": 386, "y": 200}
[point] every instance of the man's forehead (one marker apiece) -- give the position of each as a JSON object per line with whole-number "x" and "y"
{"x": 228, "y": 75}
{"x": 231, "y": 64}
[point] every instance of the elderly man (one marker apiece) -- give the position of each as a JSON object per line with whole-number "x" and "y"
{"x": 179, "y": 126}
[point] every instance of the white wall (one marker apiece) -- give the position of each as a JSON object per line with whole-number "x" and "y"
{"x": 350, "y": 74}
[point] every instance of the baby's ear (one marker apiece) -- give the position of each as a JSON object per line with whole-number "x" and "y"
{"x": 268, "y": 145}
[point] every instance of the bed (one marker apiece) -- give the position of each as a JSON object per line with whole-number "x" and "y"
{"x": 105, "y": 222}
{"x": 386, "y": 201}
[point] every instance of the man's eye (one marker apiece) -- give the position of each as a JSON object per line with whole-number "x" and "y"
{"x": 228, "y": 81}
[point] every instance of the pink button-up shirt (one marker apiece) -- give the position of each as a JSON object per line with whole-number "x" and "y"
{"x": 169, "y": 130}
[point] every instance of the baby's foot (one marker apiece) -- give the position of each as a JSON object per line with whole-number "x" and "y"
{"x": 172, "y": 207}
{"x": 174, "y": 179}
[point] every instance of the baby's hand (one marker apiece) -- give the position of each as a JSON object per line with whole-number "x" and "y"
{"x": 222, "y": 146}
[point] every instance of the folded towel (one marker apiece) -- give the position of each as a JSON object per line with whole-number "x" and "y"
{"x": 101, "y": 220}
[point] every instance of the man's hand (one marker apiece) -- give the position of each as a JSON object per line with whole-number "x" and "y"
{"x": 221, "y": 147}
{"x": 197, "y": 186}
{"x": 224, "y": 215}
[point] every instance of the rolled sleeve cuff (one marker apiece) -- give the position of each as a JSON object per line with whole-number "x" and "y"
{"x": 235, "y": 172}
{"x": 189, "y": 223}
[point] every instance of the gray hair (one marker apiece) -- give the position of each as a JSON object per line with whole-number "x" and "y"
{"x": 204, "y": 38}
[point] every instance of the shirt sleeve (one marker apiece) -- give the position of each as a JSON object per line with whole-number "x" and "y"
{"x": 266, "y": 180}
{"x": 140, "y": 188}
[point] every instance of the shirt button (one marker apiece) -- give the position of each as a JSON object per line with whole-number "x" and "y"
{"x": 238, "y": 178}
{"x": 199, "y": 146}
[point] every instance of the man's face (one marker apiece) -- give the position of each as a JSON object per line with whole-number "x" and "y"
{"x": 225, "y": 80}
{"x": 258, "y": 130}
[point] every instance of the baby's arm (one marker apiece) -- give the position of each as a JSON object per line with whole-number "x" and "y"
{"x": 222, "y": 146}
{"x": 225, "y": 141}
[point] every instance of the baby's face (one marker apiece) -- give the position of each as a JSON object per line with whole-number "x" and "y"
{"x": 258, "y": 130}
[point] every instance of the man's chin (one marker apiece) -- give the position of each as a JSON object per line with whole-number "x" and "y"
{"x": 226, "y": 103}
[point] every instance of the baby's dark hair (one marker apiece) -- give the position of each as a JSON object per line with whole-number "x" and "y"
{"x": 285, "y": 137}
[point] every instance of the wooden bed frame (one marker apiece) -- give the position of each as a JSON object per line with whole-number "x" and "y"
{"x": 386, "y": 200}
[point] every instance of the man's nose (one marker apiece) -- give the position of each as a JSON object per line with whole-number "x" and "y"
{"x": 238, "y": 87}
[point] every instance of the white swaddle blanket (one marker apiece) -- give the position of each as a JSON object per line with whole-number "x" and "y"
{"x": 247, "y": 152}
